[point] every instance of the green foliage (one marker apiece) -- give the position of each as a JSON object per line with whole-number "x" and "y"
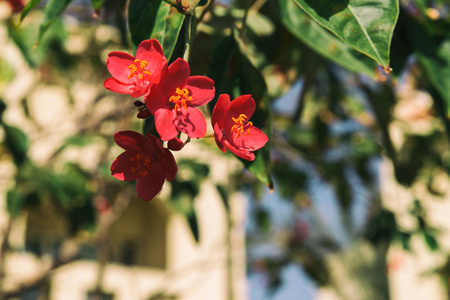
{"x": 154, "y": 19}
{"x": 28, "y": 7}
{"x": 97, "y": 4}
{"x": 367, "y": 26}
{"x": 53, "y": 9}
{"x": 320, "y": 40}
{"x": 186, "y": 189}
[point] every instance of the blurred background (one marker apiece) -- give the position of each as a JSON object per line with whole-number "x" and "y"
{"x": 356, "y": 205}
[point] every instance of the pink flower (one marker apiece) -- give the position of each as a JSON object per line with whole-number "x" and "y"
{"x": 174, "y": 99}
{"x": 144, "y": 160}
{"x": 135, "y": 76}
{"x": 232, "y": 129}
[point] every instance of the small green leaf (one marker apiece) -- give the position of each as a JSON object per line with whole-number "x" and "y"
{"x": 431, "y": 241}
{"x": 15, "y": 201}
{"x": 28, "y": 7}
{"x": 17, "y": 142}
{"x": 97, "y": 4}
{"x": 367, "y": 26}
{"x": 154, "y": 19}
{"x": 53, "y": 9}
{"x": 322, "y": 41}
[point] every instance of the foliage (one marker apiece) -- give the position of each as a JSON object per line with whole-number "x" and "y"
{"x": 361, "y": 68}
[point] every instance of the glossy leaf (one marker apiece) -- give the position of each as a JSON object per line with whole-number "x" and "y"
{"x": 53, "y": 9}
{"x": 28, "y": 7}
{"x": 154, "y": 19}
{"x": 322, "y": 41}
{"x": 367, "y": 26}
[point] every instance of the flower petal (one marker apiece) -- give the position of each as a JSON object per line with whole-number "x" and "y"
{"x": 164, "y": 121}
{"x": 121, "y": 167}
{"x": 118, "y": 63}
{"x": 218, "y": 137}
{"x": 169, "y": 165}
{"x": 241, "y": 105}
{"x": 152, "y": 52}
{"x": 201, "y": 89}
{"x": 156, "y": 99}
{"x": 114, "y": 85}
{"x": 220, "y": 110}
{"x": 242, "y": 153}
{"x": 133, "y": 141}
{"x": 191, "y": 122}
{"x": 252, "y": 141}
{"x": 149, "y": 186}
{"x": 176, "y": 76}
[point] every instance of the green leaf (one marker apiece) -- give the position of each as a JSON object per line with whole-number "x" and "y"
{"x": 367, "y": 26}
{"x": 97, "y": 4}
{"x": 15, "y": 201}
{"x": 17, "y": 142}
{"x": 431, "y": 241}
{"x": 322, "y": 41}
{"x": 53, "y": 9}
{"x": 28, "y": 7}
{"x": 154, "y": 19}
{"x": 436, "y": 65}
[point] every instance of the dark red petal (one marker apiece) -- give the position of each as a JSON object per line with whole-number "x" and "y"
{"x": 114, "y": 85}
{"x": 175, "y": 144}
{"x": 164, "y": 121}
{"x": 176, "y": 76}
{"x": 118, "y": 63}
{"x": 191, "y": 122}
{"x": 218, "y": 137}
{"x": 255, "y": 140}
{"x": 169, "y": 165}
{"x": 152, "y": 52}
{"x": 133, "y": 141}
{"x": 220, "y": 110}
{"x": 239, "y": 152}
{"x": 241, "y": 105}
{"x": 149, "y": 186}
{"x": 121, "y": 167}
{"x": 143, "y": 114}
{"x": 156, "y": 99}
{"x": 201, "y": 89}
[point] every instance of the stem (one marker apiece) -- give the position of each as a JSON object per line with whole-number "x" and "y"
{"x": 187, "y": 37}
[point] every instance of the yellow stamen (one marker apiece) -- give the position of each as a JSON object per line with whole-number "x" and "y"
{"x": 142, "y": 164}
{"x": 180, "y": 98}
{"x": 239, "y": 126}
{"x": 137, "y": 68}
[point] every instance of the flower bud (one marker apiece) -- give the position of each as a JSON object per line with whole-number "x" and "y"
{"x": 175, "y": 144}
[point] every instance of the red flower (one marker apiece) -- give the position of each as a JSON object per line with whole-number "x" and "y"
{"x": 144, "y": 159}
{"x": 135, "y": 76}
{"x": 232, "y": 129}
{"x": 174, "y": 99}
{"x": 16, "y": 5}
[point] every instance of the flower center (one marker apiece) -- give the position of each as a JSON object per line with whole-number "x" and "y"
{"x": 239, "y": 126}
{"x": 142, "y": 163}
{"x": 180, "y": 98}
{"x": 137, "y": 68}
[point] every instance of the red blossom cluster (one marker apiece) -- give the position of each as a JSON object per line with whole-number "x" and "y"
{"x": 171, "y": 95}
